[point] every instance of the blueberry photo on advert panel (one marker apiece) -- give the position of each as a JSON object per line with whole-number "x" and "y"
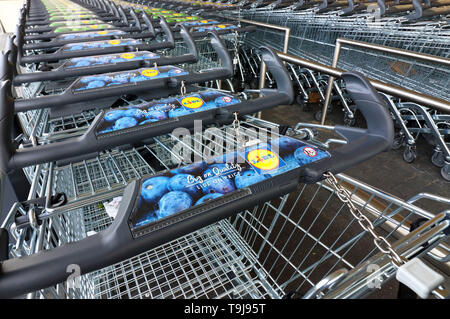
{"x": 179, "y": 189}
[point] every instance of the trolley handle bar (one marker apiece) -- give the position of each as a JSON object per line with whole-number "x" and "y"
{"x": 119, "y": 241}
{"x": 63, "y": 73}
{"x": 90, "y": 142}
{"x": 67, "y": 97}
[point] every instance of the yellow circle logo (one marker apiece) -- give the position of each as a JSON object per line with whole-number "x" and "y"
{"x": 102, "y": 32}
{"x": 189, "y": 18}
{"x": 192, "y": 102}
{"x": 84, "y": 21}
{"x": 221, "y": 26}
{"x": 150, "y": 72}
{"x": 114, "y": 42}
{"x": 263, "y": 159}
{"x": 204, "y": 21}
{"x": 94, "y": 26}
{"x": 127, "y": 56}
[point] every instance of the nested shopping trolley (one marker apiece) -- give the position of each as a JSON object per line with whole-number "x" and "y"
{"x": 302, "y": 242}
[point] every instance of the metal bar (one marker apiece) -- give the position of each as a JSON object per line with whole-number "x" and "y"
{"x": 382, "y": 48}
{"x": 287, "y": 33}
{"x": 391, "y": 89}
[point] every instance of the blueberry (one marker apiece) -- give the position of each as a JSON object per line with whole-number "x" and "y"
{"x": 208, "y": 197}
{"x": 179, "y": 112}
{"x": 173, "y": 202}
{"x": 121, "y": 78}
{"x": 154, "y": 188}
{"x": 286, "y": 144}
{"x": 193, "y": 169}
{"x": 95, "y": 84}
{"x": 125, "y": 122}
{"x": 218, "y": 184}
{"x": 303, "y": 159}
{"x": 155, "y": 115}
{"x": 247, "y": 178}
{"x": 113, "y": 115}
{"x": 104, "y": 60}
{"x": 161, "y": 107}
{"x": 117, "y": 60}
{"x": 103, "y": 78}
{"x": 75, "y": 48}
{"x": 139, "y": 78}
{"x": 81, "y": 64}
{"x": 136, "y": 113}
{"x": 185, "y": 183}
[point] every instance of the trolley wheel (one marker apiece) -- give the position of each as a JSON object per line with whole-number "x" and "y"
{"x": 445, "y": 172}
{"x": 398, "y": 141}
{"x": 318, "y": 116}
{"x": 409, "y": 154}
{"x": 438, "y": 159}
{"x": 349, "y": 121}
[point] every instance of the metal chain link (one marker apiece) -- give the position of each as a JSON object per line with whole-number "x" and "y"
{"x": 379, "y": 241}
{"x": 183, "y": 88}
{"x": 237, "y": 128}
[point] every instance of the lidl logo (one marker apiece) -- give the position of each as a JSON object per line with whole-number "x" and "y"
{"x": 102, "y": 32}
{"x": 204, "y": 21}
{"x": 94, "y": 26}
{"x": 114, "y": 42}
{"x": 150, "y": 72}
{"x": 309, "y": 152}
{"x": 221, "y": 26}
{"x": 263, "y": 159}
{"x": 192, "y": 102}
{"x": 84, "y": 21}
{"x": 127, "y": 56}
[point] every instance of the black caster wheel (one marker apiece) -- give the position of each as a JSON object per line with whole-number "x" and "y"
{"x": 398, "y": 142}
{"x": 409, "y": 154}
{"x": 349, "y": 121}
{"x": 438, "y": 159}
{"x": 318, "y": 116}
{"x": 445, "y": 172}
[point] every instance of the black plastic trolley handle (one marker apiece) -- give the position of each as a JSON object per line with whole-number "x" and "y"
{"x": 55, "y": 43}
{"x": 169, "y": 43}
{"x": 89, "y": 142}
{"x": 119, "y": 242}
{"x": 69, "y": 97}
{"x": 63, "y": 73}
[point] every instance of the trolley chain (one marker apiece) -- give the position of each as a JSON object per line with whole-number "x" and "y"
{"x": 379, "y": 241}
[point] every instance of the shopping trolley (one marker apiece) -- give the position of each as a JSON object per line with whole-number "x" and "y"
{"x": 290, "y": 246}
{"x": 361, "y": 145}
